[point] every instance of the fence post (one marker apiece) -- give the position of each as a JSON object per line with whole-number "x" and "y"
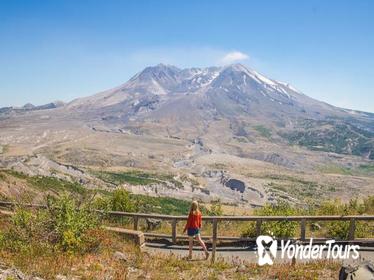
{"x": 136, "y": 223}
{"x": 302, "y": 229}
{"x": 352, "y": 229}
{"x": 214, "y": 245}
{"x": 258, "y": 227}
{"x": 174, "y": 230}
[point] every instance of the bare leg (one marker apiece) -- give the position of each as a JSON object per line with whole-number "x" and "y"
{"x": 190, "y": 244}
{"x": 198, "y": 237}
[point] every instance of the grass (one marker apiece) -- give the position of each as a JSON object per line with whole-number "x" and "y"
{"x": 146, "y": 204}
{"x": 39, "y": 255}
{"x": 58, "y": 185}
{"x": 263, "y": 131}
{"x": 335, "y": 169}
{"x": 161, "y": 205}
{"x": 100, "y": 264}
{"x": 4, "y": 149}
{"x": 47, "y": 183}
{"x": 16, "y": 174}
{"x": 303, "y": 190}
{"x": 362, "y": 169}
{"x": 136, "y": 178}
{"x": 367, "y": 168}
{"x": 139, "y": 265}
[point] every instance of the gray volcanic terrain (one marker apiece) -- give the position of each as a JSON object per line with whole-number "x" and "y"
{"x": 227, "y": 133}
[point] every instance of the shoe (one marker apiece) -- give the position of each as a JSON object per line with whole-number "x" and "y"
{"x": 206, "y": 255}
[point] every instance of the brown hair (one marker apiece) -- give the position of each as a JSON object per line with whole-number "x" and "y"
{"x": 194, "y": 207}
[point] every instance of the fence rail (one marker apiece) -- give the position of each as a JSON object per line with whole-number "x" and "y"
{"x": 215, "y": 219}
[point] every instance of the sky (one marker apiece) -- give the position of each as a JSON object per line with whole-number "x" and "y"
{"x": 61, "y": 50}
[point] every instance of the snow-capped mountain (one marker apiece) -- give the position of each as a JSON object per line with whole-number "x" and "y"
{"x": 233, "y": 90}
{"x": 185, "y": 102}
{"x": 168, "y": 80}
{"x": 165, "y": 101}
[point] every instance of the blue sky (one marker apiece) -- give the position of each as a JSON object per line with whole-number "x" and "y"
{"x": 53, "y": 50}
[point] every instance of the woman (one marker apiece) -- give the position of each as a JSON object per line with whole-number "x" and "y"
{"x": 193, "y": 227}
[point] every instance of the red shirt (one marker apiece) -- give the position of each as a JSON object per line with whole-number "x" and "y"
{"x": 194, "y": 220}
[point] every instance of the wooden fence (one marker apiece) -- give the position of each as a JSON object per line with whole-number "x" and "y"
{"x": 302, "y": 220}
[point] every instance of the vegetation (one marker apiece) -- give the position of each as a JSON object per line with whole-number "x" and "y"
{"x": 336, "y": 169}
{"x": 284, "y": 187}
{"x": 54, "y": 184}
{"x": 263, "y": 131}
{"x": 340, "y": 230}
{"x": 162, "y": 205}
{"x": 48, "y": 183}
{"x": 216, "y": 209}
{"x": 118, "y": 200}
{"x": 100, "y": 264}
{"x": 332, "y": 136}
{"x": 360, "y": 170}
{"x": 63, "y": 225}
{"x": 278, "y": 229}
{"x": 66, "y": 238}
{"x": 4, "y": 149}
{"x": 136, "y": 177}
{"x": 333, "y": 229}
{"x": 122, "y": 200}
{"x": 367, "y": 168}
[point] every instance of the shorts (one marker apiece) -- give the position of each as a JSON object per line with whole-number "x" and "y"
{"x": 193, "y": 231}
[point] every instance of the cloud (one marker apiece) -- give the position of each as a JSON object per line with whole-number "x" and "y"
{"x": 183, "y": 57}
{"x": 178, "y": 56}
{"x": 234, "y": 56}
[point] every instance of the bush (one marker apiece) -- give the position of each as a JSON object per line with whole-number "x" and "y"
{"x": 216, "y": 209}
{"x": 63, "y": 224}
{"x": 333, "y": 229}
{"x": 70, "y": 222}
{"x": 277, "y": 229}
{"x": 340, "y": 230}
{"x": 119, "y": 200}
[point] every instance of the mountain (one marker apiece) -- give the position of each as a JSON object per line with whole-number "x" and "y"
{"x": 31, "y": 107}
{"x": 179, "y": 99}
{"x": 227, "y": 133}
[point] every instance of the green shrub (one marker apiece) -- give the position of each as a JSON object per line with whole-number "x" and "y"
{"x": 340, "y": 230}
{"x": 368, "y": 205}
{"x": 119, "y": 200}
{"x": 277, "y": 229}
{"x": 216, "y": 209}
{"x": 63, "y": 224}
{"x": 70, "y": 222}
{"x": 263, "y": 131}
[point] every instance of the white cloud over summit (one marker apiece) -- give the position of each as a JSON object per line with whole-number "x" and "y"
{"x": 233, "y": 57}
{"x": 183, "y": 57}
